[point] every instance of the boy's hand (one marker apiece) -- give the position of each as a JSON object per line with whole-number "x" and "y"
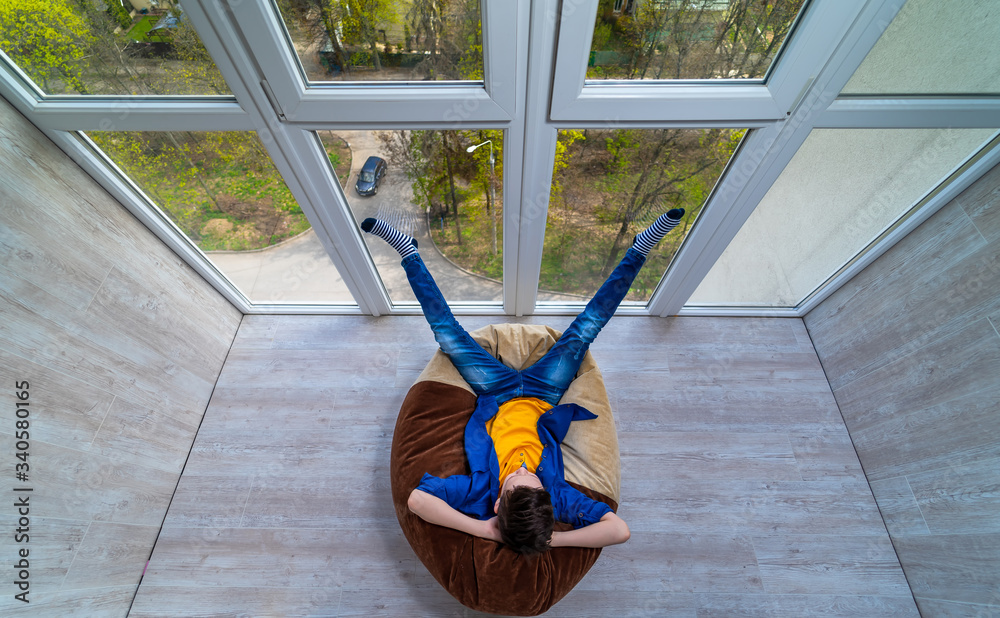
{"x": 491, "y": 530}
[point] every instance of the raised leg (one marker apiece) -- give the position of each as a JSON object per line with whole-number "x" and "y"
{"x": 549, "y": 378}
{"x": 484, "y": 373}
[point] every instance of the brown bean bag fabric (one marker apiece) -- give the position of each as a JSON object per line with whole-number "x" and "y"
{"x": 429, "y": 437}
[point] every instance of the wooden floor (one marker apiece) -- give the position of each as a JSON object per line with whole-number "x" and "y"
{"x": 739, "y": 481}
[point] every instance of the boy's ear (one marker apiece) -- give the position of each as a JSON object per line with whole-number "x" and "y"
{"x": 496, "y": 506}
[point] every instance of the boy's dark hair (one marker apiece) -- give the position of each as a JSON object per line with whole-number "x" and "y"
{"x": 525, "y": 519}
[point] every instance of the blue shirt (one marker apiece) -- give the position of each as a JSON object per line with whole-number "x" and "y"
{"x": 475, "y": 494}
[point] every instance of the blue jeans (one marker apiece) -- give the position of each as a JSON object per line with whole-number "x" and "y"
{"x": 551, "y": 375}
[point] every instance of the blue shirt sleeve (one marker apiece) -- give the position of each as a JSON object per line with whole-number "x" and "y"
{"x": 574, "y": 508}
{"x": 464, "y": 493}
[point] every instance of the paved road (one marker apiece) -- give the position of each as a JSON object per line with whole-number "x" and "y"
{"x": 299, "y": 270}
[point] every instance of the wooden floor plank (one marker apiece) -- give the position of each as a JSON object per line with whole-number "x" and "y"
{"x": 281, "y": 557}
{"x": 980, "y": 202}
{"x": 286, "y": 454}
{"x": 256, "y": 332}
{"x": 973, "y": 426}
{"x": 96, "y": 353}
{"x": 53, "y": 545}
{"x": 951, "y": 609}
{"x": 824, "y": 454}
{"x": 110, "y": 555}
{"x": 339, "y": 499}
{"x": 298, "y": 369}
{"x": 793, "y": 507}
{"x": 673, "y": 562}
{"x": 105, "y": 602}
{"x": 959, "y": 499}
{"x": 284, "y": 601}
{"x": 825, "y": 564}
{"x": 151, "y": 436}
{"x": 207, "y": 501}
{"x": 83, "y": 407}
{"x": 93, "y": 487}
{"x": 956, "y": 567}
{"x": 812, "y": 605}
{"x": 944, "y": 241}
{"x": 717, "y": 455}
{"x": 899, "y": 507}
{"x": 955, "y": 364}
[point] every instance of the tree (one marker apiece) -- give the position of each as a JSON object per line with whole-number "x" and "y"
{"x": 361, "y": 21}
{"x": 330, "y": 13}
{"x": 653, "y": 171}
{"x": 562, "y": 157}
{"x": 195, "y": 71}
{"x": 445, "y": 175}
{"x": 424, "y": 158}
{"x": 450, "y": 34}
{"x": 696, "y": 39}
{"x": 426, "y": 22}
{"x": 450, "y": 174}
{"x": 76, "y": 46}
{"x": 48, "y": 40}
{"x": 467, "y": 32}
{"x": 320, "y": 22}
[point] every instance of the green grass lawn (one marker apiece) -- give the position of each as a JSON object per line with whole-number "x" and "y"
{"x": 140, "y": 31}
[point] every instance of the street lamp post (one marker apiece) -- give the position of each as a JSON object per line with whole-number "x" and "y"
{"x": 493, "y": 199}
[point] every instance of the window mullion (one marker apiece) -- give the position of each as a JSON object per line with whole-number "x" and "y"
{"x": 142, "y": 115}
{"x": 16, "y": 88}
{"x": 758, "y": 163}
{"x": 815, "y": 39}
{"x": 260, "y": 32}
{"x": 303, "y": 164}
{"x": 539, "y": 147}
{"x": 911, "y": 113}
{"x": 505, "y": 35}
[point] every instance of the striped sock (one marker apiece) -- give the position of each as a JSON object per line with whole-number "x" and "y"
{"x": 405, "y": 245}
{"x": 645, "y": 241}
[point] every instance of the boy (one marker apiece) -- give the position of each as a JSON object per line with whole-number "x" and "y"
{"x": 512, "y": 440}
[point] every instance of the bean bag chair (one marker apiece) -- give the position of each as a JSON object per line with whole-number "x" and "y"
{"x": 429, "y": 437}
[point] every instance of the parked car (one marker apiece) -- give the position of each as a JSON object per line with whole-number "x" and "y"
{"x": 371, "y": 175}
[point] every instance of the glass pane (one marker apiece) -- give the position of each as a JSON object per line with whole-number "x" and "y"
{"x": 934, "y": 47}
{"x": 842, "y": 189}
{"x": 70, "y": 47}
{"x": 688, "y": 39}
{"x": 611, "y": 184}
{"x": 451, "y": 199}
{"x": 382, "y": 40}
{"x": 223, "y": 192}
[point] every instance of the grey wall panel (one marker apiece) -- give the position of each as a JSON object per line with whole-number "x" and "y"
{"x": 120, "y": 344}
{"x": 912, "y": 350}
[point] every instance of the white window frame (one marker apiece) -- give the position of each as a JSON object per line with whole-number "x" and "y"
{"x": 299, "y": 100}
{"x": 815, "y": 36}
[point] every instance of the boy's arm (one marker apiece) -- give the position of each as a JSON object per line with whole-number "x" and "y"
{"x": 434, "y": 510}
{"x": 610, "y": 530}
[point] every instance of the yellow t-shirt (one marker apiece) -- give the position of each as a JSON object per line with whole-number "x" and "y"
{"x": 514, "y": 430}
